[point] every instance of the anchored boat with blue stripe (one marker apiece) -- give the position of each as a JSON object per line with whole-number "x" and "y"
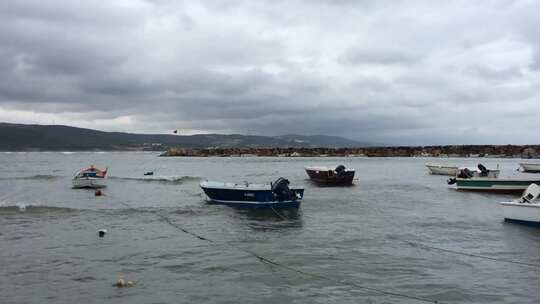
{"x": 276, "y": 195}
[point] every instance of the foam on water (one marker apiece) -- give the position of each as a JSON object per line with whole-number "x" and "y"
{"x": 28, "y": 208}
{"x": 32, "y": 177}
{"x": 161, "y": 179}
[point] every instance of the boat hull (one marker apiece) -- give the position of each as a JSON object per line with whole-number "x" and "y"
{"x": 443, "y": 170}
{"x": 521, "y": 213}
{"x": 89, "y": 183}
{"x": 257, "y": 205}
{"x": 532, "y": 168}
{"x": 330, "y": 177}
{"x": 250, "y": 197}
{"x": 494, "y": 184}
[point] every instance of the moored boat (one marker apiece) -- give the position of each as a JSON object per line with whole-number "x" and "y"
{"x": 456, "y": 171}
{"x": 90, "y": 178}
{"x": 524, "y": 210}
{"x": 442, "y": 169}
{"x": 276, "y": 195}
{"x": 506, "y": 185}
{"x": 530, "y": 167}
{"x": 324, "y": 175}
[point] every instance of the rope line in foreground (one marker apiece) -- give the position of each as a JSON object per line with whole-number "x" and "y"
{"x": 427, "y": 247}
{"x": 265, "y": 260}
{"x": 292, "y": 269}
{"x": 420, "y": 245}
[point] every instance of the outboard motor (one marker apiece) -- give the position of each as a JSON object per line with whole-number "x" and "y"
{"x": 465, "y": 173}
{"x": 483, "y": 170}
{"x": 340, "y": 169}
{"x": 281, "y": 190}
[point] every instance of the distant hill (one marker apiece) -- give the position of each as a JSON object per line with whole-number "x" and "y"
{"x": 21, "y": 137}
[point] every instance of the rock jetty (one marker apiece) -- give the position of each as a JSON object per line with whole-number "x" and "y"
{"x": 506, "y": 151}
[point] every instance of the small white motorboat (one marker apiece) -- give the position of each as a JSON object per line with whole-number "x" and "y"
{"x": 90, "y": 178}
{"x": 450, "y": 170}
{"x": 525, "y": 209}
{"x": 530, "y": 167}
{"x": 443, "y": 169}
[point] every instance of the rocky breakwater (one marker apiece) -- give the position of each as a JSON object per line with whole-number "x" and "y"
{"x": 508, "y": 151}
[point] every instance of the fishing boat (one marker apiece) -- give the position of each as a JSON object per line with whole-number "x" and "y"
{"x": 324, "y": 175}
{"x": 504, "y": 185}
{"x": 90, "y": 178}
{"x": 276, "y": 195}
{"x": 455, "y": 170}
{"x": 525, "y": 209}
{"x": 530, "y": 167}
{"x": 442, "y": 169}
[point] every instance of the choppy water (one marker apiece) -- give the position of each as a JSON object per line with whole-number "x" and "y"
{"x": 354, "y": 236}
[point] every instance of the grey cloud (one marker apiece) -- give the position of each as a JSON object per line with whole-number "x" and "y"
{"x": 371, "y": 55}
{"x": 407, "y": 72}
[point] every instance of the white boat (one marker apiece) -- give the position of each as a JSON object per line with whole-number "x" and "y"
{"x": 90, "y": 178}
{"x": 488, "y": 184}
{"x": 443, "y": 169}
{"x": 450, "y": 170}
{"x": 525, "y": 209}
{"x": 530, "y": 167}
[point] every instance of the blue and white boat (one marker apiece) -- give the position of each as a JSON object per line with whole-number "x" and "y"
{"x": 276, "y": 195}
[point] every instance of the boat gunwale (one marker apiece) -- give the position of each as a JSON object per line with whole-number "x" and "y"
{"x": 511, "y": 179}
{"x": 242, "y": 187}
{"x": 323, "y": 169}
{"x": 516, "y": 204}
{"x": 442, "y": 166}
{"x": 254, "y": 202}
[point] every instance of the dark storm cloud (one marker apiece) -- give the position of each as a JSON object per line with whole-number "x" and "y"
{"x": 407, "y": 72}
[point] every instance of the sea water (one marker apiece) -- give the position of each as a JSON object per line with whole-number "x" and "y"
{"x": 382, "y": 233}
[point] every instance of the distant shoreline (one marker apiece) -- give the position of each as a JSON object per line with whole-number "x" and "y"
{"x": 472, "y": 151}
{"x": 448, "y": 151}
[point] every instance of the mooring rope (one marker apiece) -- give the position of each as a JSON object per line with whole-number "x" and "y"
{"x": 283, "y": 217}
{"x": 269, "y": 261}
{"x": 292, "y": 269}
{"x": 428, "y": 247}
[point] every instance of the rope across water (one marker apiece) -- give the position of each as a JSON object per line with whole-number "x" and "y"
{"x": 266, "y": 260}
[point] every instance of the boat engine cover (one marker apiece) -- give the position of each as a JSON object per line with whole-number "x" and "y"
{"x": 281, "y": 190}
{"x": 340, "y": 169}
{"x": 483, "y": 170}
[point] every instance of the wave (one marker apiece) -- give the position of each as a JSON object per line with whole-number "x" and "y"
{"x": 170, "y": 180}
{"x": 32, "y": 208}
{"x": 32, "y": 177}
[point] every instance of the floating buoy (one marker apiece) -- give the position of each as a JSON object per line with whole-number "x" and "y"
{"x": 102, "y": 232}
{"x": 121, "y": 283}
{"x": 98, "y": 192}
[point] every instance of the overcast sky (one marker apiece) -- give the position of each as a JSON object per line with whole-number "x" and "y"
{"x": 396, "y": 72}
